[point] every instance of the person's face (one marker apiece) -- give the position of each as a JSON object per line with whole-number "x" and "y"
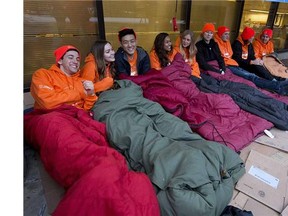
{"x": 70, "y": 62}
{"x": 265, "y": 38}
{"x": 109, "y": 53}
{"x": 128, "y": 43}
{"x": 225, "y": 36}
{"x": 208, "y": 35}
{"x": 251, "y": 40}
{"x": 167, "y": 44}
{"x": 186, "y": 41}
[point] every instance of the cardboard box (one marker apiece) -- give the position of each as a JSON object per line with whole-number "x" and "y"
{"x": 285, "y": 212}
{"x": 244, "y": 202}
{"x": 276, "y": 154}
{"x": 263, "y": 149}
{"x": 279, "y": 141}
{"x": 265, "y": 180}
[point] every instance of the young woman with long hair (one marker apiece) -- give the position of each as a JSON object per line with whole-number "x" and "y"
{"x": 99, "y": 66}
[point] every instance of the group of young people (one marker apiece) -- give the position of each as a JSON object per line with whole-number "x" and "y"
{"x": 65, "y": 83}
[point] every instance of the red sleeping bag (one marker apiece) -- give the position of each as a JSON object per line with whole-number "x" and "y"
{"x": 75, "y": 152}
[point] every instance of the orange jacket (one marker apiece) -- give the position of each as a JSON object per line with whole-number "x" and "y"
{"x": 154, "y": 60}
{"x": 195, "y": 71}
{"x": 262, "y": 49}
{"x": 90, "y": 72}
{"x": 226, "y": 51}
{"x": 52, "y": 88}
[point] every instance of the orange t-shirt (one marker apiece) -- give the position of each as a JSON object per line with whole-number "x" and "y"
{"x": 154, "y": 60}
{"x": 195, "y": 71}
{"x": 133, "y": 64}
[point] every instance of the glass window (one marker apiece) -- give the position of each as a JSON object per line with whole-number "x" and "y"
{"x": 219, "y": 13}
{"x": 255, "y": 15}
{"x": 147, "y": 18}
{"x": 50, "y": 24}
{"x": 280, "y": 29}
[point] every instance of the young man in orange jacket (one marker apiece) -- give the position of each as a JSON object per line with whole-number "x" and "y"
{"x": 263, "y": 45}
{"x": 61, "y": 83}
{"x": 244, "y": 55}
{"x": 223, "y": 39}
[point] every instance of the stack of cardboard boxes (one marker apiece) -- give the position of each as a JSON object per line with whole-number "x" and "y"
{"x": 263, "y": 190}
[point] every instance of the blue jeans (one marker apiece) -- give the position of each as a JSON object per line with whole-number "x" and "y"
{"x": 258, "y": 81}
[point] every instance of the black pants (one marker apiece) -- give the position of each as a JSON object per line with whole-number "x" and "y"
{"x": 260, "y": 71}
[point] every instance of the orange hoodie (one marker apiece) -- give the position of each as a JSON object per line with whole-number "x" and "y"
{"x": 262, "y": 49}
{"x": 90, "y": 72}
{"x": 52, "y": 88}
{"x": 226, "y": 51}
{"x": 195, "y": 71}
{"x": 154, "y": 60}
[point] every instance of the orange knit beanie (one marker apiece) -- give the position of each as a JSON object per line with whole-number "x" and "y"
{"x": 268, "y": 32}
{"x": 221, "y": 30}
{"x": 208, "y": 27}
{"x": 60, "y": 52}
{"x": 247, "y": 33}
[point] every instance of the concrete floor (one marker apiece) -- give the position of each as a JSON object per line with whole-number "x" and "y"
{"x": 34, "y": 199}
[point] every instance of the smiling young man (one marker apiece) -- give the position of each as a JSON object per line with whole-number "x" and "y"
{"x": 130, "y": 59}
{"x": 244, "y": 55}
{"x": 223, "y": 39}
{"x": 61, "y": 83}
{"x": 263, "y": 44}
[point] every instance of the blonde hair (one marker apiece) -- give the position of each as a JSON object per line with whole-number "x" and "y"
{"x": 192, "y": 48}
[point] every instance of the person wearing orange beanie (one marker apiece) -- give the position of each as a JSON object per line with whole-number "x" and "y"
{"x": 263, "y": 44}
{"x": 248, "y": 34}
{"x": 223, "y": 39}
{"x": 208, "y": 27}
{"x": 61, "y": 83}
{"x": 244, "y": 55}
{"x": 208, "y": 50}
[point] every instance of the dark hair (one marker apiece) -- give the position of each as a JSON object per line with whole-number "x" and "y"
{"x": 124, "y": 32}
{"x": 98, "y": 52}
{"x": 159, "y": 49}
